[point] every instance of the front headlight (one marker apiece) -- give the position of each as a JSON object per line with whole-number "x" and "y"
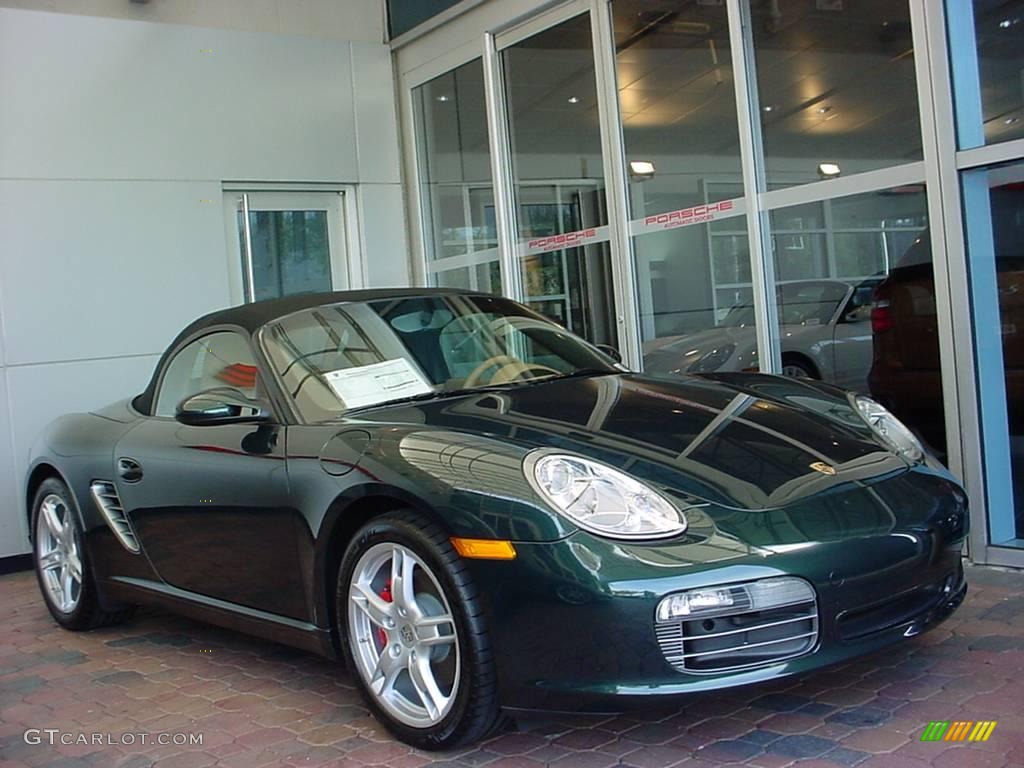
{"x": 601, "y": 499}
{"x": 890, "y": 430}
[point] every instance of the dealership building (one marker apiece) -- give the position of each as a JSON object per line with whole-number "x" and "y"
{"x": 820, "y": 188}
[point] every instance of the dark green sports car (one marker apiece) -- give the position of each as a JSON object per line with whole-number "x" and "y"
{"x": 479, "y": 511}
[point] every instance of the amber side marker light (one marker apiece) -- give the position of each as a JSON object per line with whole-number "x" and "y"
{"x": 484, "y": 549}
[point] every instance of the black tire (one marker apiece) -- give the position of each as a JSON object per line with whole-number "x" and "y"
{"x": 87, "y": 612}
{"x": 474, "y": 712}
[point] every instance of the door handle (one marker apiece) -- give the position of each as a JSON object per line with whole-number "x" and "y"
{"x": 129, "y": 469}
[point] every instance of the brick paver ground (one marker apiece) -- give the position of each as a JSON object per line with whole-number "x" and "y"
{"x": 258, "y": 704}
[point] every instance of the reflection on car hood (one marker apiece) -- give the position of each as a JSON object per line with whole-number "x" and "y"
{"x": 743, "y": 441}
{"x": 701, "y": 341}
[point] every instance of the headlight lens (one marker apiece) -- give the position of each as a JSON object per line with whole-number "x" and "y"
{"x": 712, "y": 360}
{"x": 890, "y": 430}
{"x": 601, "y": 499}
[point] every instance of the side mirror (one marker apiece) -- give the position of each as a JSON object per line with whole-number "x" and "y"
{"x": 611, "y": 351}
{"x": 223, "y": 405}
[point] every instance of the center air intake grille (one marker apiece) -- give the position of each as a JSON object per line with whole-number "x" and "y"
{"x": 105, "y": 495}
{"x": 740, "y": 640}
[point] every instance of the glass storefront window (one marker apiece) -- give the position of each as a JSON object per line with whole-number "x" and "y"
{"x": 692, "y": 256}
{"x": 559, "y": 179}
{"x": 453, "y": 156}
{"x": 836, "y": 84}
{"x": 999, "y": 38}
{"x": 856, "y": 302}
{"x": 994, "y": 208}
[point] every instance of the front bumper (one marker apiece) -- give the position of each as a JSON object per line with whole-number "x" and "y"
{"x": 573, "y": 622}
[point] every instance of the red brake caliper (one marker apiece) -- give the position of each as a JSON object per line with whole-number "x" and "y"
{"x": 385, "y": 594}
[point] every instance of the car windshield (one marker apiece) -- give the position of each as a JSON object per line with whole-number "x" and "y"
{"x": 337, "y": 357}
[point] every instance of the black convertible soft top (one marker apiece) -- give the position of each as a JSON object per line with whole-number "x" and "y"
{"x": 253, "y": 316}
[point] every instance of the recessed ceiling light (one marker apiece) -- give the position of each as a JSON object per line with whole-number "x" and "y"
{"x": 442, "y": 97}
{"x": 829, "y": 170}
{"x": 1011, "y": 120}
{"x": 769, "y": 108}
{"x": 574, "y": 99}
{"x": 824, "y": 110}
{"x": 1007, "y": 23}
{"x": 641, "y": 169}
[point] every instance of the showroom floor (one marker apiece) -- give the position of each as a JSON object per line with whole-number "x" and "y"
{"x": 263, "y": 705}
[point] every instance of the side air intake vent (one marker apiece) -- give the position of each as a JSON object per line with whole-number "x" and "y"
{"x": 105, "y": 495}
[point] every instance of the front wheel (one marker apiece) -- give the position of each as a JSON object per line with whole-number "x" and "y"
{"x": 413, "y": 631}
{"x": 61, "y": 562}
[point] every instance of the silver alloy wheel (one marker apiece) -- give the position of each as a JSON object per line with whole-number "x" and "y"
{"x": 403, "y": 636}
{"x": 57, "y": 553}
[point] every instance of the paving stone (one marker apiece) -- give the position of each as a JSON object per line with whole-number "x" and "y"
{"x": 846, "y": 756}
{"x": 860, "y": 717}
{"x": 801, "y": 746}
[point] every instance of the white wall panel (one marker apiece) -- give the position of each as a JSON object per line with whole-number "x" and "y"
{"x": 386, "y": 239}
{"x": 104, "y": 268}
{"x": 376, "y": 117}
{"x": 93, "y": 98}
{"x": 344, "y": 19}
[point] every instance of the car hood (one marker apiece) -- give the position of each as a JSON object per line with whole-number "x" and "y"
{"x": 741, "y": 441}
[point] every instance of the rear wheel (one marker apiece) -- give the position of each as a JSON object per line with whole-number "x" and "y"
{"x": 61, "y": 564}
{"x": 413, "y": 632}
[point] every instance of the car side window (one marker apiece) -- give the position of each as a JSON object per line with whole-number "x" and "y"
{"x": 221, "y": 359}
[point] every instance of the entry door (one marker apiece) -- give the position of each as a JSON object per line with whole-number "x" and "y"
{"x": 290, "y": 243}
{"x": 561, "y": 212}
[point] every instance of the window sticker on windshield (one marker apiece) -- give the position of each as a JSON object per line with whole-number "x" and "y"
{"x": 376, "y": 383}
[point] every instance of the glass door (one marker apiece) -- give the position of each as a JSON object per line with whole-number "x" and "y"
{"x": 287, "y": 242}
{"x": 561, "y": 214}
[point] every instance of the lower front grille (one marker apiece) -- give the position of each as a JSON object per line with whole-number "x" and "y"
{"x": 740, "y": 640}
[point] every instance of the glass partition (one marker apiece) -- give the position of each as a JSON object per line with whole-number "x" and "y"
{"x": 561, "y": 211}
{"x": 681, "y": 139}
{"x": 999, "y": 40}
{"x": 454, "y": 165}
{"x": 836, "y": 86}
{"x": 856, "y": 300}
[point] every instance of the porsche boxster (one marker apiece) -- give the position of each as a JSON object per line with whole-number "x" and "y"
{"x": 482, "y": 513}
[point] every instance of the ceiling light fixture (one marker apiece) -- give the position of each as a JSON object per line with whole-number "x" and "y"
{"x": 1007, "y": 23}
{"x": 769, "y": 108}
{"x": 1011, "y": 120}
{"x": 574, "y": 99}
{"x": 824, "y": 110}
{"x": 829, "y": 170}
{"x": 641, "y": 170}
{"x": 442, "y": 97}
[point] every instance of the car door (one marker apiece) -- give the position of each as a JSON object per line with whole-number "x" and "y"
{"x": 852, "y": 339}
{"x": 210, "y": 503}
